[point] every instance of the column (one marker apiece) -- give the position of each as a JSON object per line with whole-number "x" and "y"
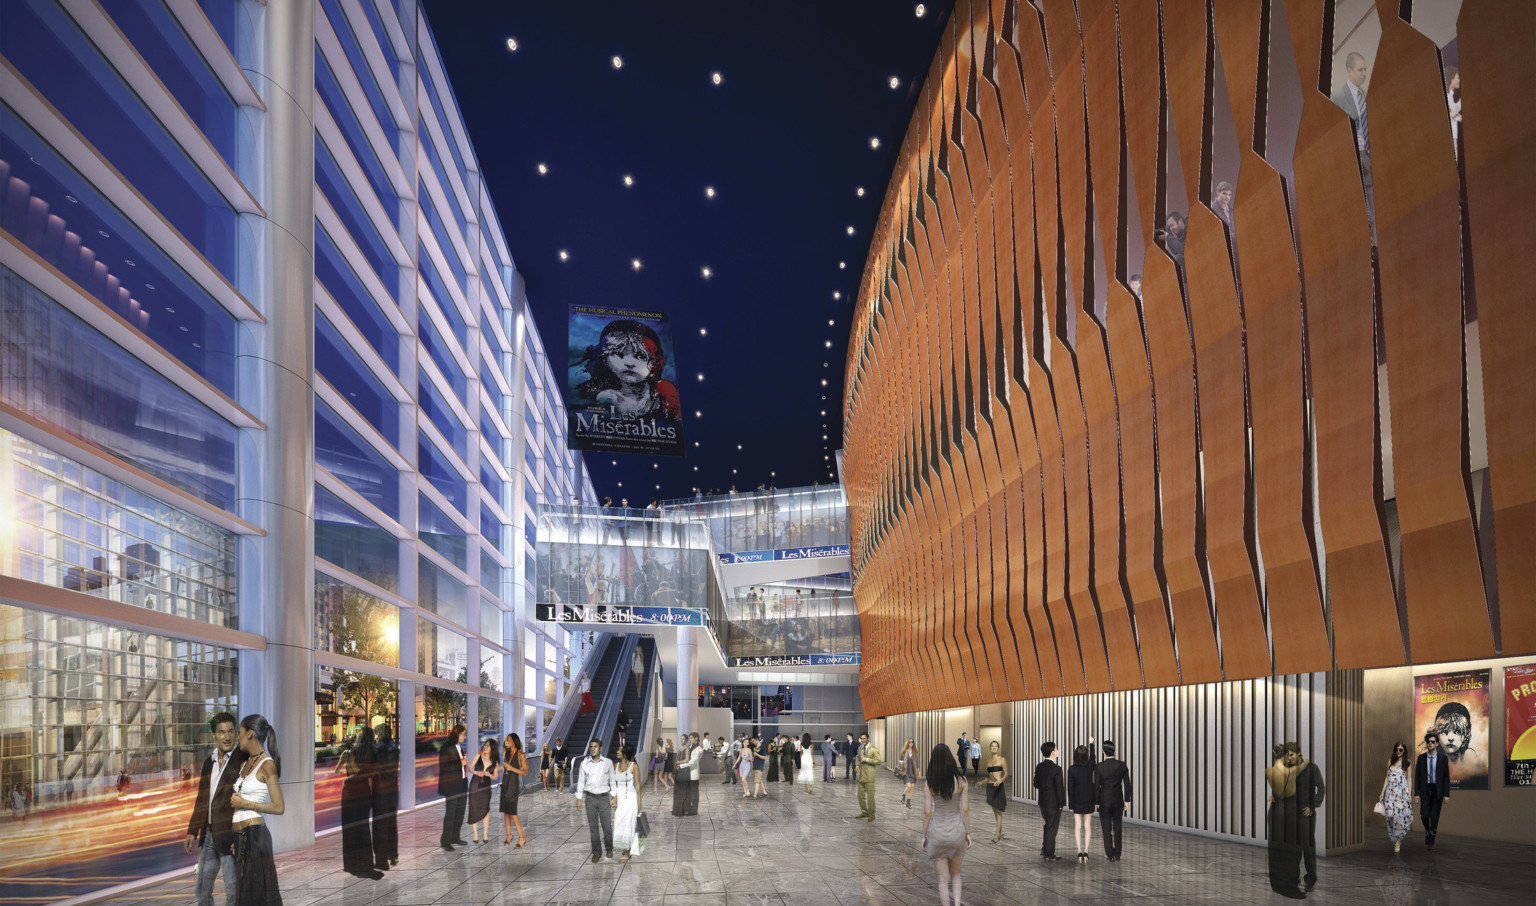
{"x": 276, "y": 367}
{"x": 687, "y": 679}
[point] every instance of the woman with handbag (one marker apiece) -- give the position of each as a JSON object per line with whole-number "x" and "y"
{"x": 906, "y": 769}
{"x": 626, "y": 789}
{"x": 1395, "y": 803}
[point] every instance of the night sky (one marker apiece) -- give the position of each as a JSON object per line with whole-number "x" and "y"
{"x": 784, "y": 140}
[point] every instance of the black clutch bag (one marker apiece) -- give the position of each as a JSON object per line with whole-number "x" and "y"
{"x": 642, "y": 826}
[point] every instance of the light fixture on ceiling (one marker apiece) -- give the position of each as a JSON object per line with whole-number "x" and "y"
{"x": 701, "y": 375}
{"x": 894, "y": 82}
{"x": 823, "y": 382}
{"x": 709, "y": 191}
{"x": 635, "y": 263}
{"x": 850, "y": 231}
{"x": 511, "y": 44}
{"x": 703, "y": 332}
{"x": 874, "y": 143}
{"x": 617, "y": 61}
{"x": 565, "y": 255}
{"x": 698, "y": 413}
{"x": 543, "y": 169}
{"x": 706, "y": 272}
{"x": 628, "y": 180}
{"x": 829, "y": 344}
{"x": 716, "y": 77}
{"x": 837, "y": 294}
{"x": 859, "y": 191}
{"x": 842, "y": 265}
{"x": 831, "y": 322}
{"x": 921, "y": 11}
{"x": 738, "y": 446}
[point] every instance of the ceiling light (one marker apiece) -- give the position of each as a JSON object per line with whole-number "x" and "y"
{"x": 874, "y": 143}
{"x": 511, "y": 44}
{"x": 859, "y": 191}
{"x": 716, "y": 77}
{"x": 635, "y": 263}
{"x": 709, "y": 191}
{"x": 921, "y": 10}
{"x": 617, "y": 61}
{"x": 850, "y": 231}
{"x": 695, "y": 468}
{"x": 543, "y": 169}
{"x": 698, "y": 413}
{"x": 829, "y": 344}
{"x": 894, "y": 82}
{"x": 695, "y": 443}
{"x": 823, "y": 382}
{"x": 703, "y": 332}
{"x": 823, "y": 437}
{"x": 842, "y": 265}
{"x": 655, "y": 465}
{"x": 836, "y": 294}
{"x": 823, "y": 412}
{"x": 564, "y": 255}
{"x": 707, "y": 273}
{"x": 738, "y": 446}
{"x": 614, "y": 462}
{"x": 701, "y": 376}
{"x": 831, "y": 322}
{"x": 621, "y": 484}
{"x": 628, "y": 180}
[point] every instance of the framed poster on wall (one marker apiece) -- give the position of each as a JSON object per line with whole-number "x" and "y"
{"x": 1455, "y": 707}
{"x": 1520, "y": 725}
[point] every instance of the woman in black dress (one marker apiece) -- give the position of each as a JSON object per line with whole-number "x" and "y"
{"x": 786, "y": 761}
{"x": 1080, "y": 798}
{"x": 482, "y": 776}
{"x": 997, "y": 789}
{"x": 669, "y": 767}
{"x": 511, "y": 785}
{"x": 773, "y": 759}
{"x": 356, "y": 767}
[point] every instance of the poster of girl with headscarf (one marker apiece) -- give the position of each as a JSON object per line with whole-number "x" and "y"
{"x": 622, "y": 383}
{"x": 1455, "y": 708}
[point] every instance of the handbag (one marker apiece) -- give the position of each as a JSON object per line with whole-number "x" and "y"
{"x": 1380, "y": 807}
{"x": 642, "y": 826}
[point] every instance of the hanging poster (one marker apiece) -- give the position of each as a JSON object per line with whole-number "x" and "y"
{"x": 1455, "y": 707}
{"x": 621, "y": 383}
{"x": 1520, "y": 725}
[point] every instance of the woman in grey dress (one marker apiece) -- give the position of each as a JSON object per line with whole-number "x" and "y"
{"x": 946, "y": 821}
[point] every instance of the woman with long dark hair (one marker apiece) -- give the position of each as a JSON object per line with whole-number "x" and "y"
{"x": 511, "y": 785}
{"x": 786, "y": 759}
{"x": 356, "y": 765}
{"x": 257, "y": 794}
{"x": 1080, "y": 799}
{"x": 1396, "y": 799}
{"x": 997, "y": 788}
{"x": 483, "y": 775}
{"x": 806, "y": 773}
{"x": 946, "y": 821}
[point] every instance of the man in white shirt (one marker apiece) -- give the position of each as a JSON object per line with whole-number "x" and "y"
{"x": 731, "y": 755}
{"x": 209, "y": 832}
{"x": 595, "y": 780}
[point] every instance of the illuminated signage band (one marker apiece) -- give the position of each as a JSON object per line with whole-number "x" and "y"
{"x": 796, "y": 660}
{"x": 792, "y": 553}
{"x": 619, "y": 615}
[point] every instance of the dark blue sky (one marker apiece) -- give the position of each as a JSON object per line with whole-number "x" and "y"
{"x": 785, "y": 141}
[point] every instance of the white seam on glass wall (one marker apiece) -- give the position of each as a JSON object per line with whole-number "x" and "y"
{"x": 357, "y": 20}
{"x": 342, "y": 237}
{"x": 53, "y": 129}
{"x": 219, "y": 57}
{"x": 336, "y": 58}
{"x": 354, "y": 420}
{"x": 335, "y": 141}
{"x": 356, "y": 501}
{"x": 360, "y": 346}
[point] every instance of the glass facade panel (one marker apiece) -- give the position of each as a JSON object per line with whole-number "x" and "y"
{"x": 60, "y": 216}
{"x": 437, "y": 411}
{"x": 441, "y": 594}
{"x": 437, "y": 712}
{"x": 330, "y": 92}
{"x": 350, "y": 540}
{"x": 59, "y": 369}
{"x": 492, "y": 575}
{"x": 441, "y": 652}
{"x": 345, "y": 454}
{"x": 440, "y": 232}
{"x": 354, "y": 623}
{"x": 491, "y": 622}
{"x": 434, "y": 467}
{"x": 356, "y": 773}
{"x": 492, "y": 663}
{"x": 108, "y": 725}
{"x": 341, "y": 366}
{"x": 40, "y": 40}
{"x": 78, "y": 529}
{"x": 333, "y": 183}
{"x": 339, "y": 279}
{"x": 439, "y": 532}
{"x": 360, "y": 68}
{"x": 490, "y": 719}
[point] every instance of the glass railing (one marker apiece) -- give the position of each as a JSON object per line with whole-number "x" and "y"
{"x": 766, "y": 519}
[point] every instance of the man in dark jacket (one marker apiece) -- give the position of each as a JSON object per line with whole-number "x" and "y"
{"x": 1112, "y": 794}
{"x": 850, "y": 756}
{"x": 386, "y": 800}
{"x": 1431, "y": 785}
{"x": 828, "y": 759}
{"x": 209, "y": 832}
{"x": 562, "y": 758}
{"x": 1051, "y": 792}
{"x": 1309, "y": 798}
{"x": 453, "y": 786}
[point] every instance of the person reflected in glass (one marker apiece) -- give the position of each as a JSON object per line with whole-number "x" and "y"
{"x": 946, "y": 821}
{"x": 356, "y": 767}
{"x": 386, "y": 799}
{"x": 257, "y": 793}
{"x": 483, "y": 774}
{"x": 1396, "y": 801}
{"x": 511, "y": 786}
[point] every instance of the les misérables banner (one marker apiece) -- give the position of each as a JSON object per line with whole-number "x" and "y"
{"x": 621, "y": 383}
{"x": 1455, "y": 707}
{"x": 1520, "y": 725}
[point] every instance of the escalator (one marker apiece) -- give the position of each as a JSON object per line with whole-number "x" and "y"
{"x": 584, "y": 726}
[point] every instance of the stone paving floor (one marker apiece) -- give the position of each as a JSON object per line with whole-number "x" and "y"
{"x": 796, "y": 849}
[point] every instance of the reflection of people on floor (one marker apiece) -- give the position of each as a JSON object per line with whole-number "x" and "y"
{"x": 1350, "y": 98}
{"x": 386, "y": 800}
{"x": 356, "y": 767}
{"x": 1281, "y": 824}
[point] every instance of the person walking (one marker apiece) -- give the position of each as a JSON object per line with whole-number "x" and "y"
{"x": 483, "y": 775}
{"x": 1431, "y": 786}
{"x": 997, "y": 785}
{"x": 742, "y": 769}
{"x": 587, "y": 705}
{"x": 256, "y": 794}
{"x": 386, "y": 799}
{"x": 805, "y": 754}
{"x": 869, "y": 761}
{"x": 453, "y": 786}
{"x": 1280, "y": 825}
{"x": 546, "y": 769}
{"x": 963, "y": 752}
{"x": 1394, "y": 802}
{"x": 828, "y": 759}
{"x": 511, "y": 786}
{"x": 594, "y": 792}
{"x": 691, "y": 770}
{"x": 975, "y": 756}
{"x": 1051, "y": 793}
{"x": 906, "y": 769}
{"x": 356, "y": 768}
{"x": 562, "y": 757}
{"x": 626, "y": 797}
{"x": 1112, "y": 792}
{"x": 946, "y": 821}
{"x": 1080, "y": 798}
{"x": 209, "y": 831}
{"x": 759, "y": 764}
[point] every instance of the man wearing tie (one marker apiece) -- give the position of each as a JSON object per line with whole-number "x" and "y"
{"x": 594, "y": 792}
{"x": 209, "y": 832}
{"x": 828, "y": 759}
{"x": 1350, "y": 98}
{"x": 1112, "y": 792}
{"x": 1431, "y": 786}
{"x": 453, "y": 786}
{"x": 1052, "y": 795}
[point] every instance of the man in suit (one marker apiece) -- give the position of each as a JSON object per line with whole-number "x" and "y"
{"x": 1309, "y": 798}
{"x": 1350, "y": 98}
{"x": 209, "y": 831}
{"x": 1051, "y": 791}
{"x": 1431, "y": 786}
{"x": 850, "y": 756}
{"x": 963, "y": 753}
{"x": 1112, "y": 793}
{"x": 453, "y": 786}
{"x": 828, "y": 759}
{"x": 386, "y": 799}
{"x": 869, "y": 758}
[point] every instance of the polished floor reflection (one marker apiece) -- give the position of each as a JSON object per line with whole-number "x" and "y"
{"x": 798, "y": 849}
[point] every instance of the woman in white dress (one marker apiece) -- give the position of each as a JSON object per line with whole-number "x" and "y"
{"x": 626, "y": 789}
{"x": 805, "y": 775}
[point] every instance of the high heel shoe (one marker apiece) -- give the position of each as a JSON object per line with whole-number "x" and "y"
{"x": 521, "y": 842}
{"x": 507, "y": 841}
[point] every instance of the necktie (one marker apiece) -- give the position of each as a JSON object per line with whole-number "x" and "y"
{"x": 1362, "y": 127}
